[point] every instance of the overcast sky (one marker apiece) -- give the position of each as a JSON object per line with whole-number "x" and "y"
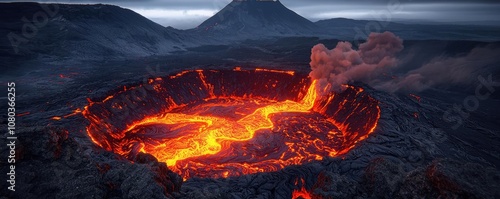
{"x": 185, "y": 14}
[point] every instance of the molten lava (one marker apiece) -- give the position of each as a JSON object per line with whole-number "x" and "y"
{"x": 229, "y": 123}
{"x": 301, "y": 193}
{"x": 212, "y": 131}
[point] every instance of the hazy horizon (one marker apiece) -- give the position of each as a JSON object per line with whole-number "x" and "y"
{"x": 189, "y": 14}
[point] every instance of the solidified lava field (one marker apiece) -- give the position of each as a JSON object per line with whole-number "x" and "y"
{"x": 104, "y": 144}
{"x": 222, "y": 123}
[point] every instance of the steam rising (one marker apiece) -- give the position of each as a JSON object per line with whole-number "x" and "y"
{"x": 341, "y": 65}
{"x": 443, "y": 71}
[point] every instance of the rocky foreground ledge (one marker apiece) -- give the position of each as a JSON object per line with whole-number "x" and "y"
{"x": 53, "y": 165}
{"x": 50, "y": 164}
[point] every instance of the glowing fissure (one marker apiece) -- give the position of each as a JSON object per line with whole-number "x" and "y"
{"x": 216, "y": 124}
{"x": 213, "y": 130}
{"x": 301, "y": 193}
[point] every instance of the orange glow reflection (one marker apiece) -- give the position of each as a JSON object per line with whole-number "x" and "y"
{"x": 232, "y": 121}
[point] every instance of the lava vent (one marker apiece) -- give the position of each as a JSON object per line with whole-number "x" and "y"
{"x": 209, "y": 123}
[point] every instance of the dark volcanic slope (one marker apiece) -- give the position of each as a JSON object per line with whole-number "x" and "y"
{"x": 256, "y": 18}
{"x": 82, "y": 31}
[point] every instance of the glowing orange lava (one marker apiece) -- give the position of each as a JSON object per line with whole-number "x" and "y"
{"x": 211, "y": 127}
{"x": 302, "y": 193}
{"x": 212, "y": 131}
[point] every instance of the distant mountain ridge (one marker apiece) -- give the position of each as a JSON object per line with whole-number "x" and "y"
{"x": 255, "y": 18}
{"x": 87, "y": 31}
{"x": 100, "y": 31}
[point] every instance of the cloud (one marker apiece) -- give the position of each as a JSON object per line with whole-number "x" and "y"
{"x": 439, "y": 10}
{"x": 181, "y": 19}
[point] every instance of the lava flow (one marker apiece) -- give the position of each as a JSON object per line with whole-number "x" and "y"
{"x": 229, "y": 123}
{"x": 301, "y": 193}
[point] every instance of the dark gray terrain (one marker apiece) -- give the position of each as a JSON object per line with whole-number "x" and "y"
{"x": 87, "y": 52}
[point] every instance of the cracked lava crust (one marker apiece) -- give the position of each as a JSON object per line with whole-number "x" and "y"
{"x": 222, "y": 123}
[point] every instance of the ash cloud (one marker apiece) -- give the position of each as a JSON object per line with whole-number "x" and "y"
{"x": 343, "y": 64}
{"x": 444, "y": 71}
{"x": 334, "y": 68}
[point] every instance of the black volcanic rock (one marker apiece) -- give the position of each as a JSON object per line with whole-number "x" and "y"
{"x": 51, "y": 164}
{"x": 383, "y": 178}
{"x": 447, "y": 178}
{"x": 250, "y": 19}
{"x": 82, "y": 32}
{"x": 333, "y": 185}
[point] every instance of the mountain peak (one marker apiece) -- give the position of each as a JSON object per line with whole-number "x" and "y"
{"x": 252, "y": 0}
{"x": 257, "y": 18}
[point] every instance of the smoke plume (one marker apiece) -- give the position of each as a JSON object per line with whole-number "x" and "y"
{"x": 444, "y": 71}
{"x": 336, "y": 67}
{"x": 342, "y": 65}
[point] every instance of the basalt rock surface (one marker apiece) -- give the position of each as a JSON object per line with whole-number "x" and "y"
{"x": 50, "y": 164}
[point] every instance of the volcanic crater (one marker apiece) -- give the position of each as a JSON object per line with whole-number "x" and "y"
{"x": 223, "y": 123}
